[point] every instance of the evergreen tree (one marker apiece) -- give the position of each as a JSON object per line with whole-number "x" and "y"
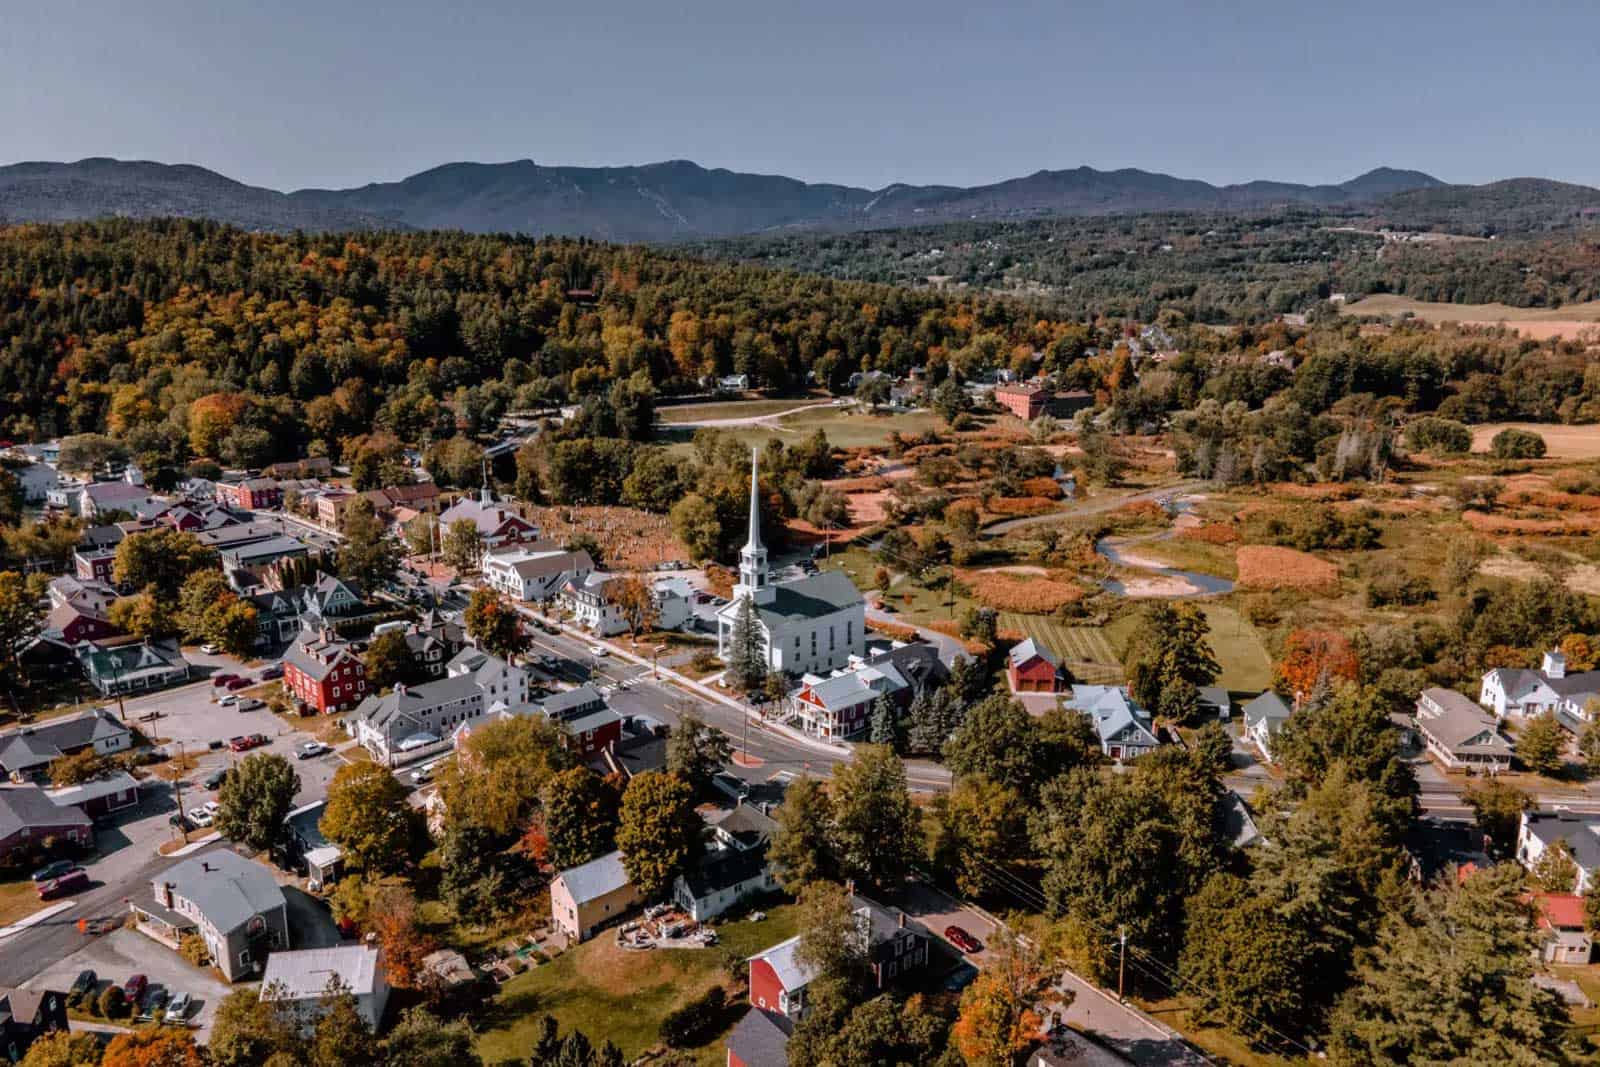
{"x": 884, "y": 725}
{"x": 1451, "y": 983}
{"x": 747, "y": 660}
{"x": 801, "y": 851}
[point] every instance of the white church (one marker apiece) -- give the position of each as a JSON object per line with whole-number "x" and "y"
{"x": 811, "y": 625}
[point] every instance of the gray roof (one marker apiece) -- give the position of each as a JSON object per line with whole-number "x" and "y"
{"x": 726, "y": 869}
{"x": 303, "y": 974}
{"x": 591, "y": 721}
{"x": 228, "y": 889}
{"x": 34, "y": 744}
{"x": 29, "y": 806}
{"x": 1459, "y": 724}
{"x": 308, "y": 651}
{"x": 1216, "y": 696}
{"x": 761, "y": 1039}
{"x": 581, "y": 700}
{"x": 272, "y": 546}
{"x": 1115, "y": 716}
{"x": 593, "y": 880}
{"x": 1580, "y": 832}
{"x": 810, "y": 597}
{"x": 748, "y": 825}
{"x": 1268, "y": 706}
{"x": 416, "y": 699}
{"x": 1027, "y": 649}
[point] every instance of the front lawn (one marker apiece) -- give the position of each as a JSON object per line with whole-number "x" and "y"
{"x": 610, "y": 993}
{"x": 18, "y": 900}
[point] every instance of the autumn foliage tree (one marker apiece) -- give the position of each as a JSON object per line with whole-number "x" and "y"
{"x": 1313, "y": 657}
{"x": 152, "y": 1048}
{"x": 635, "y": 601}
{"x": 393, "y": 917}
{"x": 999, "y": 1010}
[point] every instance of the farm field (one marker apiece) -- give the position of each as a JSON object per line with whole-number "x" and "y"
{"x": 610, "y": 993}
{"x": 734, "y": 409}
{"x": 1561, "y": 442}
{"x": 1541, "y": 324}
{"x": 1246, "y": 667}
{"x": 845, "y": 429}
{"x": 1083, "y": 649}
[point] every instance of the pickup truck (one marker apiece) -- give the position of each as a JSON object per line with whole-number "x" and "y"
{"x": 245, "y": 742}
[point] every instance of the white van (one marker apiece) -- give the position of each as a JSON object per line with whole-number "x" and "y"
{"x": 389, "y": 627}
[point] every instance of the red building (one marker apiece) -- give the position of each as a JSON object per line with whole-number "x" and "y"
{"x": 778, "y": 980}
{"x": 94, "y": 564}
{"x": 73, "y": 624}
{"x": 1023, "y": 401}
{"x": 1032, "y": 669}
{"x": 324, "y": 673}
{"x": 252, "y": 494}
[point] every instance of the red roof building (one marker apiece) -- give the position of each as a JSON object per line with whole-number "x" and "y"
{"x": 1023, "y": 401}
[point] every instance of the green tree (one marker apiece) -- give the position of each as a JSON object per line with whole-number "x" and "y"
{"x": 1169, "y": 646}
{"x": 1541, "y": 745}
{"x": 981, "y": 826}
{"x": 1589, "y": 743}
{"x": 801, "y": 851}
{"x": 254, "y": 799}
{"x": 831, "y": 946}
{"x": 473, "y": 879}
{"x": 696, "y": 751}
{"x": 422, "y": 1039}
{"x": 234, "y": 626}
{"x": 500, "y": 770}
{"x": 1556, "y": 871}
{"x": 368, "y": 554}
{"x": 884, "y": 725}
{"x": 999, "y": 740}
{"x": 369, "y": 817}
{"x": 493, "y": 623}
{"x": 341, "y": 1037}
{"x": 158, "y": 561}
{"x": 1348, "y": 727}
{"x": 1513, "y": 443}
{"x": 1498, "y": 808}
{"x": 21, "y": 617}
{"x": 201, "y": 592}
{"x": 1451, "y": 983}
{"x": 877, "y": 831}
{"x": 1244, "y": 960}
{"x": 659, "y": 832}
{"x": 580, "y": 817}
{"x": 248, "y": 1031}
{"x": 388, "y": 660}
{"x": 462, "y": 549}
{"x": 696, "y": 523}
{"x": 747, "y": 659}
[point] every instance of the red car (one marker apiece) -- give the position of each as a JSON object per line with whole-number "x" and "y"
{"x": 133, "y": 989}
{"x": 961, "y": 939}
{"x": 237, "y": 683}
{"x": 245, "y": 742}
{"x": 70, "y": 882}
{"x": 223, "y": 679}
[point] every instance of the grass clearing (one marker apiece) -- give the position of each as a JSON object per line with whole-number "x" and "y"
{"x": 734, "y": 409}
{"x": 610, "y": 993}
{"x": 1084, "y": 649}
{"x": 1561, "y": 442}
{"x": 18, "y": 900}
{"x": 1243, "y": 658}
{"x": 1218, "y": 1042}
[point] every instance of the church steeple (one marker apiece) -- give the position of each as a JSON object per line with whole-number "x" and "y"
{"x": 485, "y": 494}
{"x": 753, "y": 556}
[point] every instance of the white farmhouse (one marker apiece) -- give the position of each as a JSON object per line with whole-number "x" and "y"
{"x": 811, "y": 625}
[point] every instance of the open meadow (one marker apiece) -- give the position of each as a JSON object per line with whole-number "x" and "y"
{"x": 1538, "y": 323}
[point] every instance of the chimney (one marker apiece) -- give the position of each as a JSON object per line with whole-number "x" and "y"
{"x": 164, "y": 894}
{"x": 902, "y": 916}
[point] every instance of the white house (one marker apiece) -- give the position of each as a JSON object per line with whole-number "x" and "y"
{"x": 811, "y": 625}
{"x": 1539, "y": 830}
{"x": 36, "y": 480}
{"x": 1523, "y": 693}
{"x": 733, "y": 868}
{"x": 1459, "y": 734}
{"x": 591, "y": 608}
{"x": 535, "y": 574}
{"x": 499, "y": 680}
{"x": 1263, "y": 718}
{"x": 299, "y": 982}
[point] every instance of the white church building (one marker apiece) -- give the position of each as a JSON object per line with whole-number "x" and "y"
{"x": 811, "y": 625}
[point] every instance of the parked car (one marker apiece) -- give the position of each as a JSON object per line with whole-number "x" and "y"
{"x": 961, "y": 939}
{"x": 227, "y": 698}
{"x": 311, "y": 750}
{"x": 212, "y": 807}
{"x": 734, "y": 788}
{"x": 245, "y": 742}
{"x": 214, "y": 779}
{"x": 209, "y": 649}
{"x": 598, "y": 651}
{"x": 274, "y": 671}
{"x": 222, "y": 679}
{"x": 178, "y": 1007}
{"x": 154, "y": 1002}
{"x": 239, "y": 683}
{"x": 960, "y": 978}
{"x": 250, "y": 704}
{"x": 133, "y": 989}
{"x": 200, "y": 817}
{"x": 53, "y": 869}
{"x": 70, "y": 882}
{"x": 83, "y": 984}
{"x": 181, "y": 821}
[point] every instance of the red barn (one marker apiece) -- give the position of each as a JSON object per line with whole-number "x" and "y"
{"x": 324, "y": 673}
{"x": 1033, "y": 669}
{"x": 73, "y": 624}
{"x": 1023, "y": 401}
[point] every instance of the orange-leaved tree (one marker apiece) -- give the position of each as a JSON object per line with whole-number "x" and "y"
{"x": 1312, "y": 657}
{"x": 152, "y": 1048}
{"x": 999, "y": 1010}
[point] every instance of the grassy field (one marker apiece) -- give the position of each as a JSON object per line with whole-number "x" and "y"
{"x": 1561, "y": 442}
{"x": 1223, "y": 1045}
{"x": 845, "y": 429}
{"x": 1539, "y": 323}
{"x": 734, "y": 409}
{"x": 1084, "y": 649}
{"x": 609, "y": 993}
{"x": 18, "y": 900}
{"x": 1239, "y": 651}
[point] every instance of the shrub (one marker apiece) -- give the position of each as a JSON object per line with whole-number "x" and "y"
{"x": 695, "y": 1022}
{"x": 113, "y": 1005}
{"x": 1392, "y": 585}
{"x": 1433, "y": 434}
{"x": 1517, "y": 444}
{"x": 192, "y": 947}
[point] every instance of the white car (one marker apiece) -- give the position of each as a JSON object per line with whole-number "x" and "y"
{"x": 209, "y": 649}
{"x": 228, "y": 698}
{"x": 212, "y": 806}
{"x": 200, "y": 817}
{"x": 312, "y": 749}
{"x": 599, "y": 651}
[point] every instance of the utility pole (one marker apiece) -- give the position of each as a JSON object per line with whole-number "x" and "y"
{"x": 1122, "y": 957}
{"x": 177, "y": 789}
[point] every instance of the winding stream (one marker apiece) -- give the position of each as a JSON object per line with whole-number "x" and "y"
{"x": 1115, "y": 550}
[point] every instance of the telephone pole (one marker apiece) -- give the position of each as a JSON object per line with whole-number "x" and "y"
{"x": 1122, "y": 957}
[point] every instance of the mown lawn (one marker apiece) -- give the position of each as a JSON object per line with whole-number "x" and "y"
{"x": 1239, "y": 651}
{"x": 18, "y": 900}
{"x": 734, "y": 409}
{"x": 1084, "y": 649}
{"x": 612, "y": 994}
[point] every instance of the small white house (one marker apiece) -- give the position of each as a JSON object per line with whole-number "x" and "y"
{"x": 299, "y": 981}
{"x": 591, "y": 607}
{"x": 1263, "y": 718}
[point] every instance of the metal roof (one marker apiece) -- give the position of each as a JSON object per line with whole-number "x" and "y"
{"x": 303, "y": 974}
{"x": 228, "y": 889}
{"x": 593, "y": 880}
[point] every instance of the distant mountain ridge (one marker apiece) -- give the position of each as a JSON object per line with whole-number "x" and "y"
{"x": 655, "y": 202}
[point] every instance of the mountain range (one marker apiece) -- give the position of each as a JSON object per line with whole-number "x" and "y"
{"x": 656, "y": 202}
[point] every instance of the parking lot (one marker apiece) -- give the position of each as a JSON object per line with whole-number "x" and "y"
{"x": 122, "y": 953}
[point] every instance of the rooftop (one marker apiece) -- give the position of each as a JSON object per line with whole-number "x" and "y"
{"x": 228, "y": 889}
{"x": 593, "y": 880}
{"x": 304, "y": 974}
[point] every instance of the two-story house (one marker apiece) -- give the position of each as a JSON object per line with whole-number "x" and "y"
{"x": 734, "y": 866}
{"x": 232, "y": 903}
{"x": 416, "y": 719}
{"x": 322, "y": 672}
{"x": 535, "y": 574}
{"x": 778, "y": 980}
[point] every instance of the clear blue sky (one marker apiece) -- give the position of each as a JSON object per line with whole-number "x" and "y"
{"x": 290, "y": 93}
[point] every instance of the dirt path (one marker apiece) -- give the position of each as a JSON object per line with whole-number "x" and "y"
{"x": 751, "y": 420}
{"x": 1094, "y": 507}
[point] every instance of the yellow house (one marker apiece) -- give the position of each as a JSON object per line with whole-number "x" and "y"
{"x": 586, "y": 898}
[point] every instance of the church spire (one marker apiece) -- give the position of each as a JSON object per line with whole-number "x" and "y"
{"x": 485, "y": 495}
{"x": 754, "y": 540}
{"x": 753, "y": 556}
